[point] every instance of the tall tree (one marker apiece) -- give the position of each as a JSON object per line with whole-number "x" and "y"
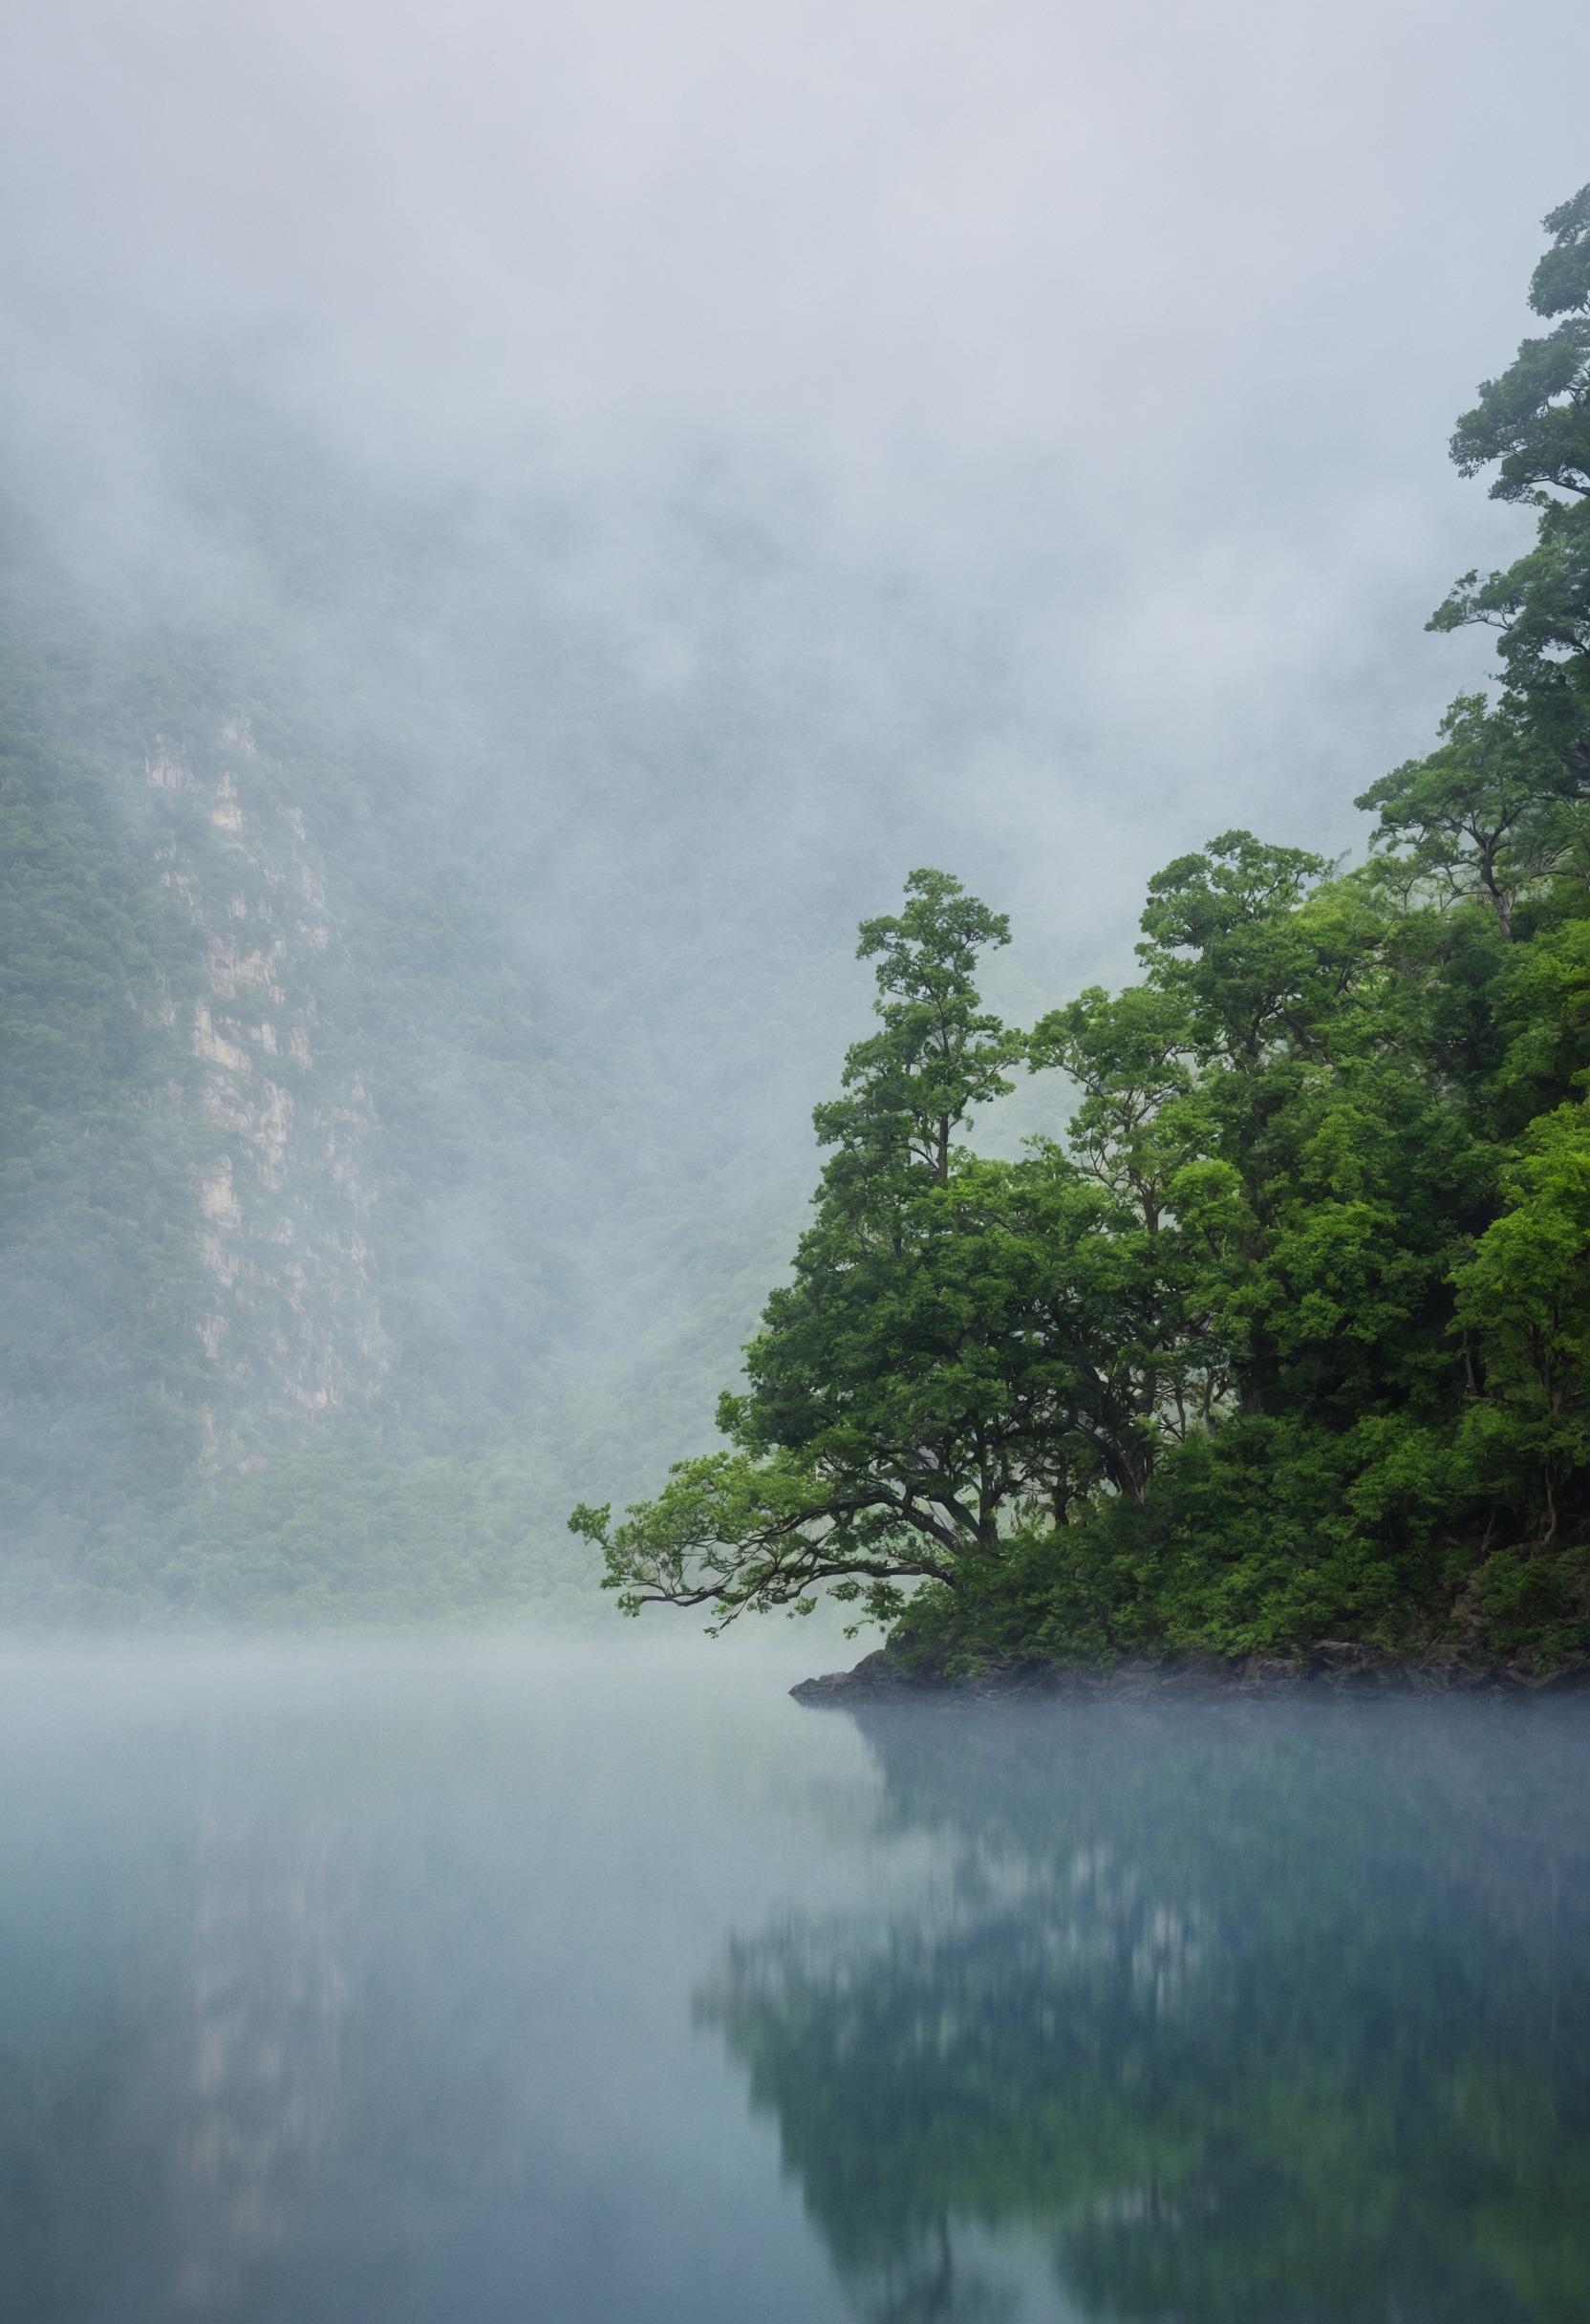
{"x": 1534, "y": 424}
{"x": 1483, "y": 816}
{"x": 938, "y": 1055}
{"x": 1289, "y": 1336}
{"x": 959, "y": 1352}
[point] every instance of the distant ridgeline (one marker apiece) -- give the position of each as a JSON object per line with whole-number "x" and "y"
{"x": 296, "y": 1154}
{"x": 1290, "y": 1339}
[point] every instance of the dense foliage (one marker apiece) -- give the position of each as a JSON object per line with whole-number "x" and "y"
{"x": 1289, "y": 1336}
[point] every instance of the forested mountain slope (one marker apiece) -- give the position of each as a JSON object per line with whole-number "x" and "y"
{"x": 349, "y": 1204}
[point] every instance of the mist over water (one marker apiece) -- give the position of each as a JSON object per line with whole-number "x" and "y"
{"x": 487, "y": 1981}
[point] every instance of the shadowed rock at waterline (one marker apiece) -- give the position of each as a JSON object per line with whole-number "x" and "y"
{"x": 1340, "y": 1665}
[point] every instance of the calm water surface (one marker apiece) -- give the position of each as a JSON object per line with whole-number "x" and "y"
{"x": 546, "y": 1983}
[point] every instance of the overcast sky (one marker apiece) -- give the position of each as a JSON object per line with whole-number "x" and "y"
{"x": 1114, "y": 348}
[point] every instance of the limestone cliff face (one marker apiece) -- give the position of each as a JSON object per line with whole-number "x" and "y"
{"x": 283, "y": 1185}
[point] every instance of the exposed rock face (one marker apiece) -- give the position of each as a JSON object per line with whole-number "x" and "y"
{"x": 283, "y": 1178}
{"x": 1339, "y": 1666}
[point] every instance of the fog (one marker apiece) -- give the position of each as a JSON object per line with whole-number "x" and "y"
{"x": 1111, "y": 353}
{"x": 476, "y": 1981}
{"x": 651, "y": 476}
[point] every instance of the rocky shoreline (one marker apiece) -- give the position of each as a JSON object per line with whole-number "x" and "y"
{"x": 1336, "y": 1666}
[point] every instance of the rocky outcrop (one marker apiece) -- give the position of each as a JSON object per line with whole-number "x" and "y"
{"x": 1335, "y": 1666}
{"x": 281, "y": 1127}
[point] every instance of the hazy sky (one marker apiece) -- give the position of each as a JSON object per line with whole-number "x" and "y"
{"x": 1108, "y": 354}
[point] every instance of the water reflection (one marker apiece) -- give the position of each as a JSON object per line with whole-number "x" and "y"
{"x": 352, "y": 1986}
{"x": 357, "y": 1986}
{"x": 1243, "y": 2014}
{"x": 271, "y": 1983}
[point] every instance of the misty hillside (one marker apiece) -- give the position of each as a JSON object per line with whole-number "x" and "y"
{"x": 517, "y": 532}
{"x": 362, "y": 1180}
{"x": 430, "y": 919}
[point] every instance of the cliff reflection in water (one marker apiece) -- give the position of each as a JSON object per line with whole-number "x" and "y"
{"x": 356, "y": 1982}
{"x": 1239, "y": 2012}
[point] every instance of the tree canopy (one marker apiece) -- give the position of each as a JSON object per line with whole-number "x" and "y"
{"x": 1286, "y": 1333}
{"x": 1533, "y": 426}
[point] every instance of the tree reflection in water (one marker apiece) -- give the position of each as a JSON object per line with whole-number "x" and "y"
{"x": 1249, "y": 2012}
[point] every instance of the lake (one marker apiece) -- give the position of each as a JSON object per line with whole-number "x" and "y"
{"x": 447, "y": 1984}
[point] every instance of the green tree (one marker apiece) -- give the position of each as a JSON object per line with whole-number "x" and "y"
{"x": 938, "y": 1055}
{"x": 1524, "y": 1298}
{"x": 1127, "y": 1058}
{"x": 1288, "y": 1335}
{"x": 1534, "y": 423}
{"x": 1482, "y": 816}
{"x": 965, "y": 1349}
